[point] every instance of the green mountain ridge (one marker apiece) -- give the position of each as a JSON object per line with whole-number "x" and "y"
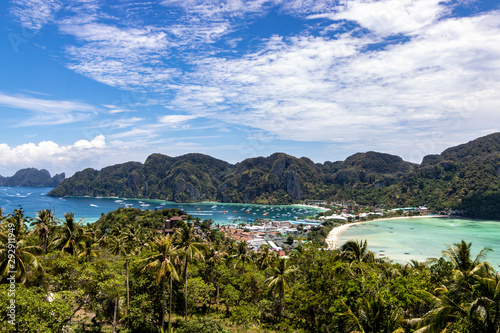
{"x": 465, "y": 177}
{"x": 32, "y": 177}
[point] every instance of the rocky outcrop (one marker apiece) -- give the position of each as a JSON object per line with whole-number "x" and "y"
{"x": 32, "y": 177}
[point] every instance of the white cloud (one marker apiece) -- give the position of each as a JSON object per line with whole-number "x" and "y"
{"x": 174, "y": 120}
{"x": 412, "y": 69}
{"x": 48, "y": 112}
{"x": 120, "y": 57}
{"x": 135, "y": 133}
{"x": 388, "y": 17}
{"x": 319, "y": 89}
{"x": 216, "y": 9}
{"x": 52, "y": 156}
{"x": 34, "y": 14}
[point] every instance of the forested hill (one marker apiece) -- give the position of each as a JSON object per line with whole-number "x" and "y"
{"x": 465, "y": 177}
{"x": 32, "y": 177}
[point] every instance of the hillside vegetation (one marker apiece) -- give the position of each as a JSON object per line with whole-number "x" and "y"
{"x": 465, "y": 177}
{"x": 120, "y": 274}
{"x": 32, "y": 177}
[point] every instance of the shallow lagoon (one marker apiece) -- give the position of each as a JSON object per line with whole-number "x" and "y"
{"x": 32, "y": 199}
{"x": 402, "y": 240}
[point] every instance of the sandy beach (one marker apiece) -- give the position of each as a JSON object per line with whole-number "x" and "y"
{"x": 332, "y": 238}
{"x": 311, "y": 206}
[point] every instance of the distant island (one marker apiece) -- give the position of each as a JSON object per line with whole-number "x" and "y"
{"x": 31, "y": 177}
{"x": 465, "y": 178}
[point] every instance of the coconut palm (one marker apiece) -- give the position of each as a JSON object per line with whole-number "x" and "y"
{"x": 43, "y": 223}
{"x": 18, "y": 221}
{"x": 216, "y": 254}
{"x": 374, "y": 315}
{"x": 71, "y": 237}
{"x": 89, "y": 250}
{"x": 485, "y": 309}
{"x": 278, "y": 281}
{"x": 356, "y": 250}
{"x": 117, "y": 245}
{"x": 135, "y": 239}
{"x": 466, "y": 269}
{"x": 163, "y": 262}
{"x": 266, "y": 257}
{"x": 190, "y": 248}
{"x": 447, "y": 310}
{"x": 242, "y": 256}
{"x": 17, "y": 263}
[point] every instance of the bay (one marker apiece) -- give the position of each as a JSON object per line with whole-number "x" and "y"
{"x": 402, "y": 240}
{"x": 32, "y": 199}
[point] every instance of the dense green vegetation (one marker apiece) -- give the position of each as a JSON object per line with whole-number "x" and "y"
{"x": 466, "y": 177}
{"x": 32, "y": 177}
{"x": 120, "y": 274}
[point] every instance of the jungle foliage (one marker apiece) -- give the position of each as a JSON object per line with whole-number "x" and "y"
{"x": 127, "y": 277}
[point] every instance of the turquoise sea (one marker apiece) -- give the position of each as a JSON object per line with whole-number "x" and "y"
{"x": 32, "y": 199}
{"x": 402, "y": 240}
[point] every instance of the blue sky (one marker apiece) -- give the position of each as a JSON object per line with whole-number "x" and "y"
{"x": 90, "y": 83}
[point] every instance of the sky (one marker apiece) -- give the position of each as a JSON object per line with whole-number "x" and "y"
{"x": 92, "y": 83}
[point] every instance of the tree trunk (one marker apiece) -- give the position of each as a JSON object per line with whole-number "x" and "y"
{"x": 170, "y": 306}
{"x": 128, "y": 289}
{"x": 217, "y": 296}
{"x": 114, "y": 315}
{"x": 186, "y": 289}
{"x": 163, "y": 305}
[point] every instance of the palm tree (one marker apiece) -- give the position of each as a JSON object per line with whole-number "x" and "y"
{"x": 43, "y": 223}
{"x": 24, "y": 257}
{"x": 163, "y": 262}
{"x": 356, "y": 250}
{"x": 135, "y": 239}
{"x": 266, "y": 257}
{"x": 242, "y": 256}
{"x": 485, "y": 309}
{"x": 89, "y": 250}
{"x": 71, "y": 237}
{"x": 447, "y": 310}
{"x": 215, "y": 255}
{"x": 190, "y": 248}
{"x": 374, "y": 315}
{"x": 118, "y": 245}
{"x": 466, "y": 269}
{"x": 19, "y": 221}
{"x": 279, "y": 279}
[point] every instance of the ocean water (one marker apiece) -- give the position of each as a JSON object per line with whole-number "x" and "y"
{"x": 421, "y": 238}
{"x": 33, "y": 199}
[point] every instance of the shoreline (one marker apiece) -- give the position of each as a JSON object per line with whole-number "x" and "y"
{"x": 334, "y": 234}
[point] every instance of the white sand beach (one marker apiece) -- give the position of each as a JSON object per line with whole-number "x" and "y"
{"x": 311, "y": 206}
{"x": 332, "y": 238}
